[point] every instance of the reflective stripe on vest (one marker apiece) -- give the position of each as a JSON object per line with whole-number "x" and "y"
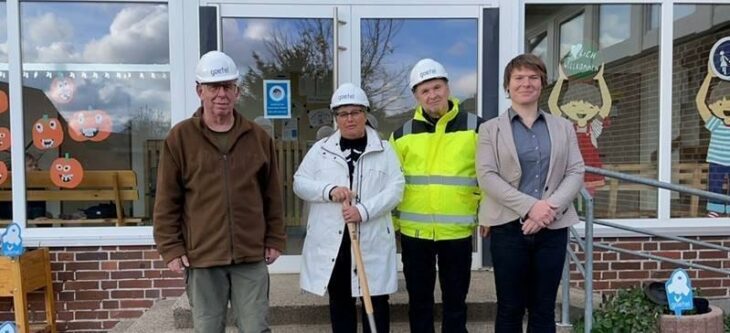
{"x": 441, "y": 180}
{"x": 435, "y": 218}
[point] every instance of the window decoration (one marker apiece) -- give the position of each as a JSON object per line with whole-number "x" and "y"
{"x": 66, "y": 172}
{"x": 47, "y": 133}
{"x": 62, "y": 90}
{"x": 91, "y": 125}
{"x": 4, "y": 139}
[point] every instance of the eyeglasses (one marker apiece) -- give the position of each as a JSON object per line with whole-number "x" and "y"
{"x": 345, "y": 115}
{"x": 215, "y": 87}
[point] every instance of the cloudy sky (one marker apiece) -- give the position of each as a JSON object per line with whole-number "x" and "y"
{"x": 113, "y": 34}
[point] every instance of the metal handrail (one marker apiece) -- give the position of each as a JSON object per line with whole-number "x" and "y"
{"x": 587, "y": 243}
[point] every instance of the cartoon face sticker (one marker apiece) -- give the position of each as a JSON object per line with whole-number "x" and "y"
{"x": 62, "y": 90}
{"x": 3, "y": 102}
{"x": 3, "y": 172}
{"x": 580, "y": 111}
{"x": 4, "y": 139}
{"x": 66, "y": 172}
{"x": 91, "y": 125}
{"x": 47, "y": 133}
{"x": 721, "y": 109}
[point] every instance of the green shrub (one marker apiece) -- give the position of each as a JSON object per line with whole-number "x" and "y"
{"x": 727, "y": 323}
{"x": 626, "y": 312}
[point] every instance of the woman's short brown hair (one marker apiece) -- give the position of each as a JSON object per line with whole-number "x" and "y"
{"x": 528, "y": 61}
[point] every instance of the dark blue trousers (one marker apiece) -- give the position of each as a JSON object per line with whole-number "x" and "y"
{"x": 419, "y": 258}
{"x": 527, "y": 271}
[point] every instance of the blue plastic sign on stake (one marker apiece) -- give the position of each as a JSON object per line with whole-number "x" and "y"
{"x": 11, "y": 242}
{"x": 8, "y": 327}
{"x": 277, "y": 99}
{"x": 679, "y": 292}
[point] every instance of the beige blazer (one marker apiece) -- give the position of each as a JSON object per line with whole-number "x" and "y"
{"x": 499, "y": 172}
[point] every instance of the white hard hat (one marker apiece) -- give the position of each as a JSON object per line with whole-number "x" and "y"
{"x": 349, "y": 94}
{"x": 215, "y": 66}
{"x": 427, "y": 69}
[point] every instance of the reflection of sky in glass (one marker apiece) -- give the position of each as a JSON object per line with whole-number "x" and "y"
{"x": 538, "y": 46}
{"x": 452, "y": 42}
{"x": 116, "y": 34}
{"x": 614, "y": 24}
{"x": 3, "y": 33}
{"x": 571, "y": 33}
{"x": 244, "y": 37}
{"x": 94, "y": 33}
{"x": 680, "y": 11}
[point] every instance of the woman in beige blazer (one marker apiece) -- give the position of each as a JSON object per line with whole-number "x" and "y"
{"x": 530, "y": 167}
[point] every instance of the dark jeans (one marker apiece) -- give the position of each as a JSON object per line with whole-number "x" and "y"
{"x": 419, "y": 267}
{"x": 527, "y": 271}
{"x": 343, "y": 312}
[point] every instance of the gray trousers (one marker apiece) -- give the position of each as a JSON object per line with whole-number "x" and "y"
{"x": 246, "y": 285}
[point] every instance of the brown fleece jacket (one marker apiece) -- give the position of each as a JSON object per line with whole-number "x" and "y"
{"x": 218, "y": 208}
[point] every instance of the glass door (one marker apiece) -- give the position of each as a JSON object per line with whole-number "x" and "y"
{"x": 391, "y": 41}
{"x": 316, "y": 47}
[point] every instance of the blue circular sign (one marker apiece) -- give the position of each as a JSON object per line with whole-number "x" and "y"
{"x": 276, "y": 93}
{"x": 720, "y": 58}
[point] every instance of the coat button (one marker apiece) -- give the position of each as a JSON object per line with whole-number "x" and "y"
{"x": 333, "y": 259}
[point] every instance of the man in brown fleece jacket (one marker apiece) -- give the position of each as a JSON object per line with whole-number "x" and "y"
{"x": 218, "y": 208}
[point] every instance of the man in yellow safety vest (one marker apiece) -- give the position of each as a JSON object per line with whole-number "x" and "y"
{"x": 438, "y": 213}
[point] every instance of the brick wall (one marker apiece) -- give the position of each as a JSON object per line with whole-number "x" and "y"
{"x": 96, "y": 287}
{"x": 613, "y": 270}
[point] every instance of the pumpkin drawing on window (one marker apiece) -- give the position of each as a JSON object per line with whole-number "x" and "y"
{"x": 66, "y": 172}
{"x": 91, "y": 125}
{"x": 3, "y": 172}
{"x": 3, "y": 101}
{"x": 47, "y": 133}
{"x": 62, "y": 90}
{"x": 4, "y": 139}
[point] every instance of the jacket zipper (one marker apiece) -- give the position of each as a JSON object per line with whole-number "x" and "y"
{"x": 228, "y": 200}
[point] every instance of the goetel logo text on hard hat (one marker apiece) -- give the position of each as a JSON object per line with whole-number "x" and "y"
{"x": 428, "y": 72}
{"x": 216, "y": 66}
{"x": 349, "y": 93}
{"x": 218, "y": 71}
{"x": 345, "y": 97}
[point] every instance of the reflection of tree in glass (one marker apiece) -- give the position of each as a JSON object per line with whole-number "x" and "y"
{"x": 304, "y": 54}
{"x": 301, "y": 54}
{"x": 383, "y": 84}
{"x": 150, "y": 123}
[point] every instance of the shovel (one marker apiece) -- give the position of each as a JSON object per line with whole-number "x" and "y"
{"x": 354, "y": 239}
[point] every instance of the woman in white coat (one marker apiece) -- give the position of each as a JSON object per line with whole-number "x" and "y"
{"x": 350, "y": 176}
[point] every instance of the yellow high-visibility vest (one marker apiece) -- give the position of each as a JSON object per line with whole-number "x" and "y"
{"x": 441, "y": 195}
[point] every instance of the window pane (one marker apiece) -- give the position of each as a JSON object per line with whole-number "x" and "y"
{"x": 6, "y": 209}
{"x": 538, "y": 46}
{"x": 96, "y": 91}
{"x": 571, "y": 33}
{"x": 701, "y": 115}
{"x": 298, "y": 50}
{"x": 390, "y": 48}
{"x": 615, "y": 114}
{"x": 680, "y": 11}
{"x": 614, "y": 23}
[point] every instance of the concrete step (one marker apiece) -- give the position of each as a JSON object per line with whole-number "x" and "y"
{"x": 290, "y": 306}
